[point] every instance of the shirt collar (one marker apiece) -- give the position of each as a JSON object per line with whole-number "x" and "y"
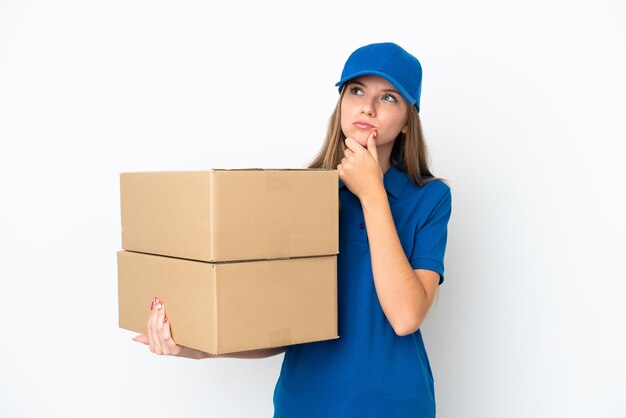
{"x": 394, "y": 181}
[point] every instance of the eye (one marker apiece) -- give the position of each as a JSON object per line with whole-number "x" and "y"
{"x": 389, "y": 98}
{"x": 356, "y": 91}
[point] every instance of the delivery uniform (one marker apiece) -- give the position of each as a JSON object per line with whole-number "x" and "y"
{"x": 369, "y": 371}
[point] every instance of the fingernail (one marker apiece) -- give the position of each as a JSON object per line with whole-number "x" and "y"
{"x": 165, "y": 320}
{"x": 152, "y": 304}
{"x": 158, "y": 304}
{"x": 375, "y": 134}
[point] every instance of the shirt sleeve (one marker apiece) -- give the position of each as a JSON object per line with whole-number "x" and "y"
{"x": 431, "y": 236}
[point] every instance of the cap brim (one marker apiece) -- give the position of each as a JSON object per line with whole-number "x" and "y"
{"x": 405, "y": 94}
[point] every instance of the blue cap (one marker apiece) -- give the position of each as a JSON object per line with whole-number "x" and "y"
{"x": 390, "y": 62}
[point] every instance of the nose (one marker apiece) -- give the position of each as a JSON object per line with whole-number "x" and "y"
{"x": 368, "y": 108}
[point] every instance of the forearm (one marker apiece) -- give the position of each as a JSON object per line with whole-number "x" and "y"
{"x": 252, "y": 354}
{"x": 401, "y": 294}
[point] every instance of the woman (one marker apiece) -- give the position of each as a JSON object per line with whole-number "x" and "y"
{"x": 392, "y": 239}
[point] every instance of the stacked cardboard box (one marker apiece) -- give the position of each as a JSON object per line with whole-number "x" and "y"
{"x": 242, "y": 259}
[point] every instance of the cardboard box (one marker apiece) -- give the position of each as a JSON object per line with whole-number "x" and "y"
{"x": 228, "y": 307}
{"x": 227, "y": 215}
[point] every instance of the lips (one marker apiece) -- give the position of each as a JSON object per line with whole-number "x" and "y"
{"x": 363, "y": 125}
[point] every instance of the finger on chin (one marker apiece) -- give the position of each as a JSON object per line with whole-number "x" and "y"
{"x": 371, "y": 144}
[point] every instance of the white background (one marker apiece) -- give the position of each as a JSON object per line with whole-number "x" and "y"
{"x": 523, "y": 110}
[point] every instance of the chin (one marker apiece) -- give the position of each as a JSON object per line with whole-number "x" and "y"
{"x": 358, "y": 136}
{"x": 362, "y": 141}
{"x": 361, "y": 138}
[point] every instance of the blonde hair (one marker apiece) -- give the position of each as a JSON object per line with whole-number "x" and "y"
{"x": 409, "y": 153}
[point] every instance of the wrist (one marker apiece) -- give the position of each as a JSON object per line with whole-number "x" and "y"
{"x": 374, "y": 197}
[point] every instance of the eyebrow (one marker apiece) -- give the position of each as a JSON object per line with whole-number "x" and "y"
{"x": 384, "y": 91}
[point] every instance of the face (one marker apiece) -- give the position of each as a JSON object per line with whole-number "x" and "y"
{"x": 371, "y": 102}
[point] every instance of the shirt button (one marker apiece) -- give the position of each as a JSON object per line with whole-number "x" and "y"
{"x": 361, "y": 225}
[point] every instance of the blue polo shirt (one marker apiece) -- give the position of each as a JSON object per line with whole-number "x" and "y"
{"x": 369, "y": 371}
